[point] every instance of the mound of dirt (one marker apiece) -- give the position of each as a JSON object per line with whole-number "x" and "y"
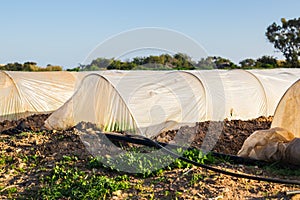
{"x": 224, "y": 137}
{"x": 31, "y": 123}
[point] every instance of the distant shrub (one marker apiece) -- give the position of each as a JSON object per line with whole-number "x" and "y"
{"x": 53, "y": 68}
{"x": 29, "y": 66}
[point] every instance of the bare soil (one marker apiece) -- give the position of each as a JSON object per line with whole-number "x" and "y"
{"x": 224, "y": 137}
{"x": 45, "y": 148}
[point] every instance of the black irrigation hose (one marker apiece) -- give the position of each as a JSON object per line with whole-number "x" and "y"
{"x": 131, "y": 139}
{"x": 148, "y": 142}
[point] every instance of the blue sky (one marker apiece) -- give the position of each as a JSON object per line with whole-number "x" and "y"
{"x": 64, "y": 32}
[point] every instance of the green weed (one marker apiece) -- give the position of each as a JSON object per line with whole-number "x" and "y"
{"x": 196, "y": 178}
{"x": 147, "y": 165}
{"x": 278, "y": 169}
{"x": 72, "y": 183}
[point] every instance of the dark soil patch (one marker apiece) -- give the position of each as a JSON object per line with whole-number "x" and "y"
{"x": 31, "y": 123}
{"x": 224, "y": 137}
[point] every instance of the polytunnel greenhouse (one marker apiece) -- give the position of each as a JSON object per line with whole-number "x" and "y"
{"x": 287, "y": 113}
{"x": 26, "y": 93}
{"x": 149, "y": 102}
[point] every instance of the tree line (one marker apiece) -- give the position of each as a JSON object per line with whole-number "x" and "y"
{"x": 284, "y": 37}
{"x": 180, "y": 62}
{"x": 29, "y": 66}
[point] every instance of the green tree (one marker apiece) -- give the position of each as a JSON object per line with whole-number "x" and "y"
{"x": 75, "y": 69}
{"x": 52, "y": 68}
{"x": 223, "y": 63}
{"x": 248, "y": 63}
{"x": 138, "y": 60}
{"x": 206, "y": 63}
{"x": 183, "y": 62}
{"x": 266, "y": 62}
{"x": 12, "y": 67}
{"x": 29, "y": 66}
{"x": 286, "y": 38}
{"x": 97, "y": 64}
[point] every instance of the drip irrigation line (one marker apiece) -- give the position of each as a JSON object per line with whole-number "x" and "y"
{"x": 138, "y": 139}
{"x": 142, "y": 141}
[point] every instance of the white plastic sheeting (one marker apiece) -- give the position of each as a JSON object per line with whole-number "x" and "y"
{"x": 26, "y": 93}
{"x": 269, "y": 145}
{"x": 231, "y": 94}
{"x": 275, "y": 83}
{"x": 148, "y": 102}
{"x": 287, "y": 114}
{"x": 144, "y": 103}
